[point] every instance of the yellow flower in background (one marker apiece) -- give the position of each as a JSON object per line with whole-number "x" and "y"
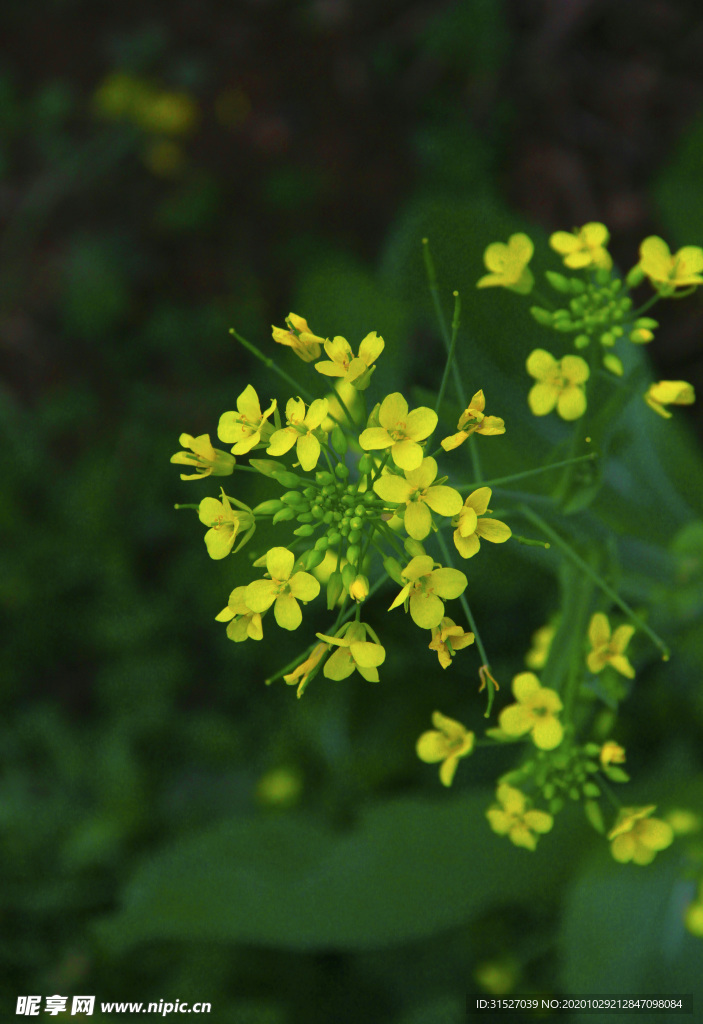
{"x": 584, "y": 247}
{"x": 535, "y": 712}
{"x": 166, "y": 113}
{"x": 299, "y": 337}
{"x": 473, "y": 420}
{"x": 508, "y": 265}
{"x": 283, "y": 590}
{"x": 343, "y": 363}
{"x": 400, "y": 430}
{"x": 418, "y": 495}
{"x": 693, "y": 918}
{"x": 669, "y": 392}
{"x": 425, "y": 588}
{"x": 470, "y": 527}
{"x": 611, "y": 753}
{"x": 609, "y": 649}
{"x": 225, "y": 524}
{"x": 300, "y": 432}
{"x": 560, "y": 383}
{"x": 668, "y": 272}
{"x": 248, "y": 426}
{"x": 164, "y": 157}
{"x": 306, "y": 669}
{"x": 354, "y": 651}
{"x": 638, "y": 837}
{"x": 447, "y": 639}
{"x": 510, "y": 817}
{"x": 447, "y": 742}
{"x": 243, "y": 623}
{"x": 203, "y": 458}
{"x": 683, "y": 821}
{"x": 542, "y": 638}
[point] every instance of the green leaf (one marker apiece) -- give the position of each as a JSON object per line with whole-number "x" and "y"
{"x": 408, "y": 869}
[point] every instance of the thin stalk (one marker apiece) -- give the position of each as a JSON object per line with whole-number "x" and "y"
{"x": 597, "y": 579}
{"x": 498, "y": 481}
{"x": 450, "y": 352}
{"x": 272, "y": 365}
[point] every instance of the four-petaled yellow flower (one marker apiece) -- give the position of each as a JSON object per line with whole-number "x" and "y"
{"x": 400, "y": 431}
{"x": 560, "y": 383}
{"x": 535, "y": 712}
{"x": 354, "y": 651}
{"x": 343, "y": 363}
{"x": 542, "y": 638}
{"x": 668, "y": 272}
{"x": 225, "y": 524}
{"x": 283, "y": 588}
{"x": 242, "y": 622}
{"x": 514, "y": 820}
{"x": 300, "y": 432}
{"x": 299, "y": 337}
{"x": 669, "y": 392}
{"x": 611, "y": 753}
{"x": 418, "y": 495}
{"x": 425, "y": 588}
{"x": 585, "y": 247}
{"x": 247, "y": 427}
{"x": 607, "y": 649}
{"x": 638, "y": 837}
{"x": 469, "y": 527}
{"x": 304, "y": 671}
{"x": 203, "y": 458}
{"x": 447, "y": 742}
{"x": 508, "y": 265}
{"x": 473, "y": 420}
{"x": 447, "y": 639}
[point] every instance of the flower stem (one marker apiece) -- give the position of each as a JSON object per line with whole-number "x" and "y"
{"x": 272, "y": 365}
{"x": 498, "y": 481}
{"x": 450, "y": 352}
{"x": 546, "y": 529}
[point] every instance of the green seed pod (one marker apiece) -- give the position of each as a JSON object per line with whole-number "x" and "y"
{"x": 268, "y": 508}
{"x": 558, "y": 282}
{"x": 339, "y": 440}
{"x": 590, "y": 789}
{"x": 267, "y": 467}
{"x": 607, "y": 339}
{"x": 577, "y": 285}
{"x": 565, "y": 326}
{"x": 304, "y": 531}
{"x": 542, "y": 316}
{"x": 284, "y": 515}
{"x": 647, "y": 323}
{"x": 335, "y": 586}
{"x": 311, "y": 559}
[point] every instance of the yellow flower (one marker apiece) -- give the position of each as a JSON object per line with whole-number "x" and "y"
{"x": 694, "y": 916}
{"x": 585, "y": 247}
{"x": 447, "y": 639}
{"x": 508, "y": 265}
{"x": 607, "y": 649}
{"x": 669, "y": 392}
{"x": 683, "y": 821}
{"x": 638, "y": 837}
{"x": 514, "y": 820}
{"x": 299, "y": 337}
{"x": 469, "y": 527}
{"x": 280, "y": 787}
{"x": 472, "y": 420}
{"x": 203, "y": 458}
{"x": 242, "y": 622}
{"x": 542, "y": 638}
{"x": 400, "y": 431}
{"x": 343, "y": 363}
{"x": 283, "y": 588}
{"x": 359, "y": 590}
{"x": 354, "y": 651}
{"x": 418, "y": 495}
{"x": 247, "y": 427}
{"x": 535, "y": 712}
{"x": 666, "y": 272}
{"x": 560, "y": 383}
{"x": 300, "y": 432}
{"x": 447, "y": 742}
{"x": 225, "y": 524}
{"x": 612, "y": 753}
{"x": 306, "y": 669}
{"x": 424, "y": 589}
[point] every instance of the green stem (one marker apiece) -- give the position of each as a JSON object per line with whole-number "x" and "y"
{"x": 434, "y": 292}
{"x": 472, "y": 624}
{"x": 546, "y": 529}
{"x": 450, "y": 352}
{"x": 498, "y": 481}
{"x": 381, "y": 466}
{"x": 647, "y": 305}
{"x": 389, "y": 535}
{"x": 272, "y": 365}
{"x": 352, "y": 422}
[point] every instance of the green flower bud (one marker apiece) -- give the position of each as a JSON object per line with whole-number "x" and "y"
{"x": 284, "y": 515}
{"x": 607, "y": 339}
{"x": 339, "y": 440}
{"x": 558, "y": 282}
{"x": 292, "y": 498}
{"x": 268, "y": 508}
{"x": 348, "y": 575}
{"x": 581, "y": 340}
{"x": 304, "y": 517}
{"x": 635, "y": 277}
{"x": 317, "y": 512}
{"x": 542, "y": 316}
{"x": 647, "y": 322}
{"x": 365, "y": 463}
{"x": 335, "y": 586}
{"x": 413, "y": 547}
{"x": 334, "y": 537}
{"x": 304, "y": 531}
{"x": 324, "y": 478}
{"x": 602, "y": 278}
{"x": 312, "y": 558}
{"x": 267, "y": 466}
{"x": 590, "y": 789}
{"x": 394, "y": 570}
{"x": 356, "y": 522}
{"x": 322, "y": 543}
{"x": 354, "y": 536}
{"x": 286, "y": 479}
{"x": 341, "y": 471}
{"x": 353, "y": 553}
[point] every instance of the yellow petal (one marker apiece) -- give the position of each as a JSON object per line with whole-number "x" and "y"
{"x": 375, "y": 437}
{"x": 393, "y": 489}
{"x": 493, "y": 530}
{"x": 308, "y": 451}
{"x": 542, "y": 398}
{"x": 279, "y": 563}
{"x": 571, "y": 403}
{"x": 526, "y": 685}
{"x": 394, "y": 409}
{"x": 418, "y": 520}
{"x": 432, "y": 747}
{"x": 479, "y": 500}
{"x": 547, "y": 732}
{"x": 406, "y": 454}
{"x": 371, "y": 348}
{"x": 599, "y": 630}
{"x": 248, "y": 405}
{"x": 444, "y": 500}
{"x": 287, "y": 612}
{"x": 420, "y": 423}
{"x": 540, "y": 363}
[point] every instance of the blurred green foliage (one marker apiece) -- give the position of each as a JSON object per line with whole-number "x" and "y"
{"x": 140, "y": 860}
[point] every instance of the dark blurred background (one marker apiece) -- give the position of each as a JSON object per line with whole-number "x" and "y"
{"x": 167, "y": 172}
